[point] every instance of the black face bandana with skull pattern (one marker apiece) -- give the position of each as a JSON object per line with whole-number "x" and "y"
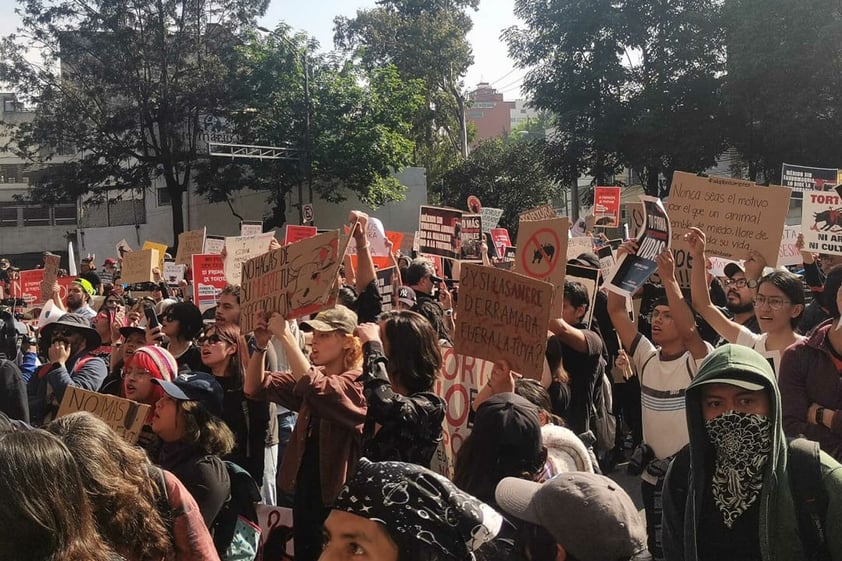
{"x": 743, "y": 443}
{"x": 417, "y": 505}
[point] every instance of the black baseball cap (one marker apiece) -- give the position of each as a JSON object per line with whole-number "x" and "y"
{"x": 195, "y": 386}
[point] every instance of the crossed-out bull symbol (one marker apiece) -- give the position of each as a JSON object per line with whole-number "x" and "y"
{"x": 545, "y": 250}
{"x": 832, "y": 218}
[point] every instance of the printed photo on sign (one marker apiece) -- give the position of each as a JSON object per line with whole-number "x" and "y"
{"x": 471, "y": 237}
{"x": 440, "y": 231}
{"x": 589, "y": 278}
{"x": 633, "y": 270}
{"x": 821, "y": 222}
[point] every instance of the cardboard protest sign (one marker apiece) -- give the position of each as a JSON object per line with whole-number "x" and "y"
{"x": 461, "y": 378}
{"x": 545, "y": 212}
{"x": 375, "y": 233}
{"x": 490, "y": 218}
{"x": 251, "y": 228}
{"x": 386, "y": 282}
{"x": 736, "y": 217}
{"x": 276, "y": 535}
{"x": 542, "y": 249}
{"x": 803, "y": 179}
{"x": 632, "y": 271}
{"x": 821, "y": 220}
{"x": 439, "y": 231}
{"x": 125, "y": 416}
{"x": 189, "y": 243}
{"x": 471, "y": 238}
{"x": 208, "y": 280}
{"x": 501, "y": 239}
{"x": 718, "y": 264}
{"x": 607, "y": 260}
{"x": 503, "y": 315}
{"x": 577, "y": 245}
{"x": 137, "y": 266}
{"x": 294, "y": 280}
{"x": 297, "y": 233}
{"x": 214, "y": 245}
{"x": 789, "y": 254}
{"x": 51, "y": 266}
{"x": 162, "y": 250}
{"x": 589, "y": 278}
{"x": 30, "y": 287}
{"x": 239, "y": 249}
{"x": 606, "y": 207}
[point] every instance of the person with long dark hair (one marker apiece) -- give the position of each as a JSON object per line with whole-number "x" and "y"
{"x": 45, "y": 514}
{"x": 401, "y": 363}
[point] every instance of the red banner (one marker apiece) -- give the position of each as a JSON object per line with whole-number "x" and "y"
{"x": 501, "y": 239}
{"x": 297, "y": 233}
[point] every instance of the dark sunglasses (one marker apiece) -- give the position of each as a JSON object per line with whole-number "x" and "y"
{"x": 62, "y": 332}
{"x": 212, "y": 340}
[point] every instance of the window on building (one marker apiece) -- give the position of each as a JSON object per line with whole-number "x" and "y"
{"x": 36, "y": 215}
{"x": 8, "y": 214}
{"x": 64, "y": 214}
{"x": 164, "y": 198}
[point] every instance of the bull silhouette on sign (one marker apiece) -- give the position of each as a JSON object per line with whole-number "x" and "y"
{"x": 545, "y": 250}
{"x": 832, "y": 218}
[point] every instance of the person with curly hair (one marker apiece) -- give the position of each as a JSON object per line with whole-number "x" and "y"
{"x": 145, "y": 513}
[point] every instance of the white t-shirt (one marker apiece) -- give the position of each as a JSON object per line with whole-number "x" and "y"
{"x": 662, "y": 387}
{"x": 748, "y": 338}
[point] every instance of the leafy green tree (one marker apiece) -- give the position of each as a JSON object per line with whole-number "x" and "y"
{"x": 504, "y": 173}
{"x": 123, "y": 87}
{"x": 783, "y": 87}
{"x": 425, "y": 40}
{"x": 355, "y": 132}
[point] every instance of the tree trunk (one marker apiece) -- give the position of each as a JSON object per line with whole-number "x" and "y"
{"x": 176, "y": 192}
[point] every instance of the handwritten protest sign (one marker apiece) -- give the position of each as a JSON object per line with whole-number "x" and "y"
{"x": 294, "y": 280}
{"x": 606, "y": 207}
{"x": 577, "y": 245}
{"x": 189, "y": 243}
{"x": 471, "y": 237}
{"x": 632, "y": 271}
{"x": 545, "y": 212}
{"x": 162, "y": 250}
{"x": 125, "y": 416}
{"x": 375, "y": 234}
{"x": 542, "y": 249}
{"x": 789, "y": 254}
{"x": 51, "y": 265}
{"x": 239, "y": 249}
{"x": 821, "y": 219}
{"x": 461, "y": 378}
{"x": 123, "y": 247}
{"x": 736, "y": 217}
{"x": 208, "y": 280}
{"x": 138, "y": 265}
{"x": 438, "y": 231}
{"x": 503, "y": 315}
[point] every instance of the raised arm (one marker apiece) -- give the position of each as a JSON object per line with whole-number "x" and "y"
{"x": 682, "y": 315}
{"x": 699, "y": 289}
{"x": 365, "y": 273}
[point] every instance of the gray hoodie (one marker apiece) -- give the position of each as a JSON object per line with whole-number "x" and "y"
{"x": 685, "y": 480}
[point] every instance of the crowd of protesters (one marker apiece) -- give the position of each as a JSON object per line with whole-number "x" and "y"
{"x": 726, "y": 399}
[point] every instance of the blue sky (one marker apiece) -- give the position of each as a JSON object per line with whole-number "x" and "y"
{"x": 491, "y": 62}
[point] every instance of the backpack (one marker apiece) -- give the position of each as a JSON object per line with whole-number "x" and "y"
{"x": 236, "y": 531}
{"x": 810, "y": 497}
{"x": 603, "y": 421}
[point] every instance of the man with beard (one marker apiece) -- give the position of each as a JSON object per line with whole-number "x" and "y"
{"x": 666, "y": 366}
{"x": 740, "y": 288}
{"x": 71, "y": 340}
{"x": 78, "y": 300}
{"x": 739, "y": 490}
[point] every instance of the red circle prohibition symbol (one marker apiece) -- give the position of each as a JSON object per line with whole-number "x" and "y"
{"x": 533, "y": 241}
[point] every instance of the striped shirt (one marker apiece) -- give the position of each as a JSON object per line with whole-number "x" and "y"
{"x": 662, "y": 387}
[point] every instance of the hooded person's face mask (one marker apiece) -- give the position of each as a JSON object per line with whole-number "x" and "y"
{"x": 743, "y": 444}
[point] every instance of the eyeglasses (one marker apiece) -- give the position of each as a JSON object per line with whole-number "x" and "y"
{"x": 739, "y": 283}
{"x": 663, "y": 316}
{"x": 137, "y": 374}
{"x": 775, "y": 303}
{"x": 212, "y": 340}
